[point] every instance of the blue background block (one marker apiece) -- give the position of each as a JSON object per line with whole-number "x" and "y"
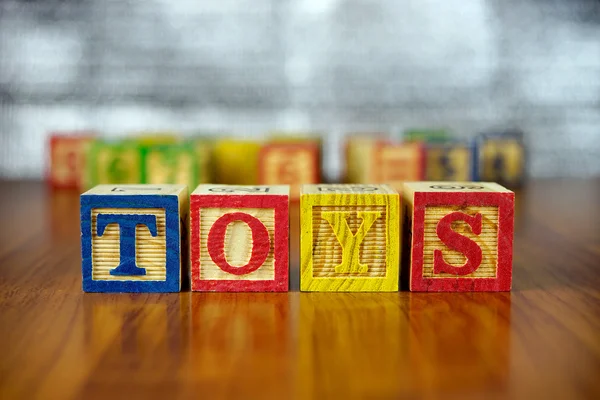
{"x": 170, "y": 203}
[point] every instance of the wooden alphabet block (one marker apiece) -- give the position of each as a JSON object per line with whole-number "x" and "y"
{"x": 114, "y": 162}
{"x": 289, "y": 164}
{"x": 349, "y": 238}
{"x": 502, "y": 158}
{"x": 239, "y": 238}
{"x": 67, "y": 160}
{"x": 236, "y": 161}
{"x": 454, "y": 161}
{"x": 398, "y": 162}
{"x": 427, "y": 135}
{"x": 184, "y": 163}
{"x": 131, "y": 238}
{"x": 360, "y": 152}
{"x": 459, "y": 236}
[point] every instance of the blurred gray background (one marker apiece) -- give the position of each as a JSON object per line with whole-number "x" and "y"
{"x": 333, "y": 66}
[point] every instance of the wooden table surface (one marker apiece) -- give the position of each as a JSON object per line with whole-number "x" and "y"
{"x": 542, "y": 340}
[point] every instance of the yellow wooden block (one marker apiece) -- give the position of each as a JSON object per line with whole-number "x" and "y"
{"x": 360, "y": 150}
{"x": 450, "y": 162}
{"x": 236, "y": 161}
{"x": 502, "y": 160}
{"x": 349, "y": 238}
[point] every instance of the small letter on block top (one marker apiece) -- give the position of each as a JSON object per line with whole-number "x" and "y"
{"x": 349, "y": 238}
{"x": 461, "y": 236}
{"x": 132, "y": 236}
{"x": 239, "y": 238}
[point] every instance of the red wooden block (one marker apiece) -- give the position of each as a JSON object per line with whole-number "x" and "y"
{"x": 398, "y": 162}
{"x": 67, "y": 160}
{"x": 291, "y": 164}
{"x": 459, "y": 236}
{"x": 239, "y": 238}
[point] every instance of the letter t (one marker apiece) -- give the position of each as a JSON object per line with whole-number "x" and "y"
{"x": 127, "y": 224}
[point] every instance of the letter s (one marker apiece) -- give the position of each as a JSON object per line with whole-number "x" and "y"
{"x": 456, "y": 241}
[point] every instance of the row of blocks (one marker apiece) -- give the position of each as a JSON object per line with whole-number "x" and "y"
{"x": 453, "y": 236}
{"x": 498, "y": 158}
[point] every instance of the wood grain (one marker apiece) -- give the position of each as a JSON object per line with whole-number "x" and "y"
{"x": 327, "y": 251}
{"x": 240, "y": 238}
{"x": 459, "y": 236}
{"x": 238, "y": 244}
{"x": 487, "y": 240}
{"x": 538, "y": 341}
{"x": 150, "y": 252}
{"x": 349, "y": 238}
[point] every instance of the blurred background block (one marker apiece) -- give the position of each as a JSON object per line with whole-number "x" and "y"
{"x": 333, "y": 66}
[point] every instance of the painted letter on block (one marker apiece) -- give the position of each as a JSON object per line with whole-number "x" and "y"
{"x": 460, "y": 236}
{"x": 239, "y": 238}
{"x": 132, "y": 237}
{"x": 349, "y": 238}
{"x": 127, "y": 225}
{"x": 350, "y": 242}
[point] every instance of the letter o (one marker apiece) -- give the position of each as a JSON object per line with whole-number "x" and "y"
{"x": 261, "y": 243}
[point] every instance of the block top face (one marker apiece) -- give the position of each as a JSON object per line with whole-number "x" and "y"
{"x": 452, "y": 187}
{"x": 325, "y": 189}
{"x": 128, "y": 190}
{"x": 219, "y": 190}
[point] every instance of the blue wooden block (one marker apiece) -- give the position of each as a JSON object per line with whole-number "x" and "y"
{"x": 132, "y": 238}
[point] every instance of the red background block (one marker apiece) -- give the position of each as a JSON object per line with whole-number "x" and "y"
{"x": 67, "y": 160}
{"x": 291, "y": 164}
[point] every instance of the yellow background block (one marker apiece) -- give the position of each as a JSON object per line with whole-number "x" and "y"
{"x": 322, "y": 245}
{"x": 459, "y": 159}
{"x": 236, "y": 161}
{"x": 513, "y": 156}
{"x": 173, "y": 168}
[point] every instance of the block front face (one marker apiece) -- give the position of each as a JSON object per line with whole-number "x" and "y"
{"x": 238, "y": 244}
{"x": 292, "y": 165}
{"x": 400, "y": 162}
{"x": 150, "y": 250}
{"x": 67, "y": 161}
{"x": 239, "y": 238}
{"x": 115, "y": 164}
{"x": 461, "y": 236}
{"x": 449, "y": 163}
{"x": 131, "y": 238}
{"x": 502, "y": 160}
{"x": 333, "y": 226}
{"x": 349, "y": 238}
{"x": 437, "y": 223}
{"x": 170, "y": 165}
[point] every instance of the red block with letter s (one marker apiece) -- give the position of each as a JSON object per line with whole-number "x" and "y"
{"x": 239, "y": 238}
{"x": 458, "y": 236}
